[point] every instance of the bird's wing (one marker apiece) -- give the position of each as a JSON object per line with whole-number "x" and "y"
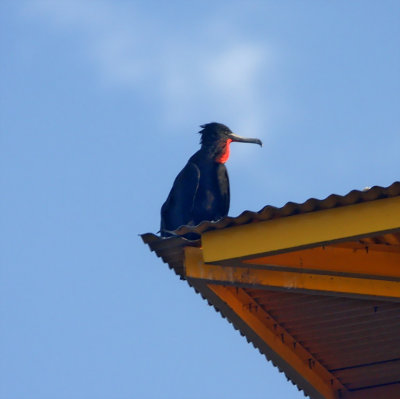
{"x": 178, "y": 208}
{"x": 225, "y": 192}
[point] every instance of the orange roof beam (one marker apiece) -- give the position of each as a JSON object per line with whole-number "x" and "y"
{"x": 374, "y": 260}
{"x": 295, "y": 281}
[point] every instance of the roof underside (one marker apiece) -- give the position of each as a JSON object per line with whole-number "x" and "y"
{"x": 328, "y": 340}
{"x": 353, "y": 339}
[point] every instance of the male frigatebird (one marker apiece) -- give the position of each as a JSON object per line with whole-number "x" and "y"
{"x": 201, "y": 190}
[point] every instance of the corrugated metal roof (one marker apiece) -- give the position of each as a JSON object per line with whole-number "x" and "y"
{"x": 171, "y": 249}
{"x": 293, "y": 208}
{"x": 357, "y": 340}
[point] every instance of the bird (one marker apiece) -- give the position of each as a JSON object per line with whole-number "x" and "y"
{"x": 201, "y": 190}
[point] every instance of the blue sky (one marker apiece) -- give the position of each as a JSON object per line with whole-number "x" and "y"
{"x": 100, "y": 105}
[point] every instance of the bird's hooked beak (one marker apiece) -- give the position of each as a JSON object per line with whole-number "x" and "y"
{"x": 240, "y": 139}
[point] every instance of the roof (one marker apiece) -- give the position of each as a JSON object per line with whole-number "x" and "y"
{"x": 292, "y": 208}
{"x": 314, "y": 286}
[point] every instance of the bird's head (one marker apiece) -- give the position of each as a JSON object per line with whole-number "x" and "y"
{"x": 216, "y": 136}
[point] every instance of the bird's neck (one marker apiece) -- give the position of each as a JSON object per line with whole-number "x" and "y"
{"x": 217, "y": 152}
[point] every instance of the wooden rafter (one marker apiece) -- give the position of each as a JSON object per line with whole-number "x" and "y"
{"x": 280, "y": 341}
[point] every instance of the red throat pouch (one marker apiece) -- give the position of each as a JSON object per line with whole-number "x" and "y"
{"x": 225, "y": 155}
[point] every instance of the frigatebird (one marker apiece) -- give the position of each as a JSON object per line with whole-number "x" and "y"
{"x": 201, "y": 190}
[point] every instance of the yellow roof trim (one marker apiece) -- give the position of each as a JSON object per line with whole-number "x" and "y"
{"x": 302, "y": 231}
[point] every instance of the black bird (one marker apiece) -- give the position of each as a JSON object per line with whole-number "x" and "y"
{"x": 201, "y": 190}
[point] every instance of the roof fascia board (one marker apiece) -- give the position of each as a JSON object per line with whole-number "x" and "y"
{"x": 302, "y": 231}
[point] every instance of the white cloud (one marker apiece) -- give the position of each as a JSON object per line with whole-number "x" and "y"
{"x": 214, "y": 72}
{"x": 108, "y": 34}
